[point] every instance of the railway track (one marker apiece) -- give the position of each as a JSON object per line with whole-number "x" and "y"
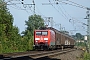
{"x": 36, "y": 54}
{"x": 51, "y": 53}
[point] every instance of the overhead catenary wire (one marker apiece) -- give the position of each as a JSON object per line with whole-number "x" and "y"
{"x": 40, "y": 12}
{"x": 77, "y": 4}
{"x": 67, "y": 13}
{"x": 62, "y": 12}
{"x": 57, "y": 10}
{"x": 74, "y": 5}
{"x": 74, "y": 18}
{"x": 65, "y": 10}
{"x": 28, "y": 6}
{"x": 19, "y": 8}
{"x": 64, "y": 15}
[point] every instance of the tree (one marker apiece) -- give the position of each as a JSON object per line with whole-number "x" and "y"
{"x": 34, "y": 22}
{"x": 79, "y": 36}
{"x": 6, "y": 24}
{"x": 10, "y": 38}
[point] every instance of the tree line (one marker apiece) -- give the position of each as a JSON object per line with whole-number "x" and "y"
{"x": 10, "y": 38}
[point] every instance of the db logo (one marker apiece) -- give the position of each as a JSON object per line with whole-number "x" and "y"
{"x": 41, "y": 38}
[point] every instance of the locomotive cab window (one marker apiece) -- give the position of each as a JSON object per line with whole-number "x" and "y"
{"x": 44, "y": 33}
{"x": 38, "y": 33}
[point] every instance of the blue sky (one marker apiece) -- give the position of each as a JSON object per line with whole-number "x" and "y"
{"x": 70, "y": 17}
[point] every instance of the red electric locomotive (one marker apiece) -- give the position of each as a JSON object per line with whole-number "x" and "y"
{"x": 44, "y": 39}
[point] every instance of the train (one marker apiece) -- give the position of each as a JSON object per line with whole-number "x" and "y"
{"x": 50, "y": 38}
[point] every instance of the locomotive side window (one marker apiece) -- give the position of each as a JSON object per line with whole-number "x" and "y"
{"x": 38, "y": 33}
{"x": 44, "y": 33}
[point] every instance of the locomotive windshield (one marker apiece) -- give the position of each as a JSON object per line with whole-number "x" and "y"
{"x": 38, "y": 33}
{"x": 44, "y": 33}
{"x": 41, "y": 33}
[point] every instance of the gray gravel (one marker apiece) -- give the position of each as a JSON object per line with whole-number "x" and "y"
{"x": 74, "y": 55}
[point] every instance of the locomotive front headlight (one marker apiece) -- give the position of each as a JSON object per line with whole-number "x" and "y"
{"x": 45, "y": 38}
{"x": 37, "y": 38}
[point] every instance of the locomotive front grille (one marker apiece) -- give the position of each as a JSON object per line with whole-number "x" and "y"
{"x": 41, "y": 43}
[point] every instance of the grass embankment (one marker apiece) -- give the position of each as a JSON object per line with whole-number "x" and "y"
{"x": 85, "y": 56}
